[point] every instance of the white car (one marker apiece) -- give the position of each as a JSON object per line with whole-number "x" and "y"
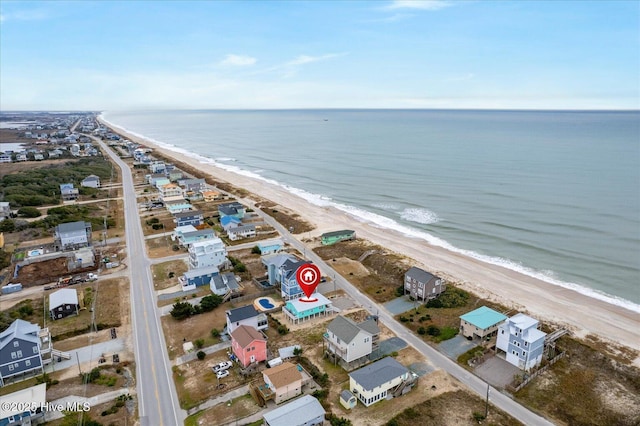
{"x": 222, "y": 373}
{"x": 224, "y": 365}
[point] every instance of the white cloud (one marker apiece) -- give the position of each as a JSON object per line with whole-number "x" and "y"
{"x": 420, "y": 4}
{"x": 306, "y": 59}
{"x": 25, "y": 15}
{"x": 238, "y": 60}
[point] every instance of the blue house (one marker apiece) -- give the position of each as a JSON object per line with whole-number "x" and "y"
{"x": 297, "y": 311}
{"x": 289, "y": 288}
{"x": 195, "y": 236}
{"x": 190, "y": 217}
{"x": 198, "y": 277}
{"x": 20, "y": 347}
{"x": 521, "y": 341}
{"x": 234, "y": 209}
{"x": 273, "y": 264}
{"x": 270, "y": 246}
{"x": 229, "y": 222}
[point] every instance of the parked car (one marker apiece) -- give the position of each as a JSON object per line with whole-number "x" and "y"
{"x": 224, "y": 365}
{"x": 222, "y": 373}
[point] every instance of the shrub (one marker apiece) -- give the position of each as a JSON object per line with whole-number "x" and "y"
{"x": 152, "y": 221}
{"x": 404, "y": 319}
{"x": 157, "y": 226}
{"x": 29, "y": 212}
{"x": 422, "y": 331}
{"x": 478, "y": 417}
{"x": 210, "y": 302}
{"x": 182, "y": 310}
{"x": 450, "y": 298}
{"x": 255, "y": 250}
{"x": 282, "y": 329}
{"x": 199, "y": 343}
{"x": 215, "y": 333}
{"x": 432, "y": 330}
{"x": 201, "y": 355}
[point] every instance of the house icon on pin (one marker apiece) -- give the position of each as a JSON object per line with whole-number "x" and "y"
{"x": 309, "y": 276}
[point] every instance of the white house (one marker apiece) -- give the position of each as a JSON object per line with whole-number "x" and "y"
{"x": 350, "y": 341}
{"x": 210, "y": 252}
{"x": 521, "y": 341}
{"x": 306, "y": 411}
{"x": 73, "y": 235}
{"x": 382, "y": 379}
{"x": 91, "y": 181}
{"x": 246, "y": 315}
{"x": 240, "y": 232}
{"x": 222, "y": 284}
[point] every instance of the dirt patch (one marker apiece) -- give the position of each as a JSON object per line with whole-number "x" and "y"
{"x": 290, "y": 220}
{"x": 162, "y": 247}
{"x": 48, "y": 271}
{"x": 165, "y": 275}
{"x": 109, "y": 297}
{"x": 240, "y": 407}
{"x": 195, "y": 327}
{"x": 347, "y": 267}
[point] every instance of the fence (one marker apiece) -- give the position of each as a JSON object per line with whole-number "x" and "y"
{"x": 538, "y": 372}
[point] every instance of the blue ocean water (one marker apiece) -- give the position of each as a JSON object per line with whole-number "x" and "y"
{"x": 555, "y": 195}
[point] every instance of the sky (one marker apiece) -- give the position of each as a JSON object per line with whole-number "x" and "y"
{"x": 506, "y": 54}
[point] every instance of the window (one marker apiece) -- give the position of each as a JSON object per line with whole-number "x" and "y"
{"x": 27, "y": 362}
{"x": 366, "y": 339}
{"x": 501, "y": 331}
{"x": 13, "y": 355}
{"x": 248, "y": 349}
{"x": 526, "y": 344}
{"x": 524, "y": 353}
{"x": 35, "y": 349}
{"x": 19, "y": 354}
{"x": 16, "y": 343}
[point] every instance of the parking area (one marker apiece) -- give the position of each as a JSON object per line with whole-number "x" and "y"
{"x": 455, "y": 347}
{"x": 400, "y": 305}
{"x": 421, "y": 368}
{"x": 497, "y": 371}
{"x": 343, "y": 303}
{"x": 388, "y": 346}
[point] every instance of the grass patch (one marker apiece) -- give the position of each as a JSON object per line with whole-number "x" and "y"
{"x": 108, "y": 304}
{"x": 166, "y": 274}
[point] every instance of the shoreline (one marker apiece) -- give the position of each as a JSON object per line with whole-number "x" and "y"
{"x": 548, "y": 302}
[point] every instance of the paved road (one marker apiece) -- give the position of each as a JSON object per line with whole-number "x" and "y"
{"x": 436, "y": 358}
{"x": 157, "y": 398}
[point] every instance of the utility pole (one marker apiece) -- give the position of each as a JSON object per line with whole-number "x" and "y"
{"x": 486, "y": 405}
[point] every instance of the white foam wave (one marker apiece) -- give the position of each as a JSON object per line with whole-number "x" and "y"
{"x": 386, "y": 206}
{"x": 384, "y": 222}
{"x": 226, "y": 159}
{"x": 423, "y": 216}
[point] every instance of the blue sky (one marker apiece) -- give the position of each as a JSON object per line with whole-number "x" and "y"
{"x": 123, "y": 55}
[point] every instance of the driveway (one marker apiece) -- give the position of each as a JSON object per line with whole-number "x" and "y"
{"x": 455, "y": 347}
{"x": 400, "y": 305}
{"x": 497, "y": 371}
{"x": 88, "y": 353}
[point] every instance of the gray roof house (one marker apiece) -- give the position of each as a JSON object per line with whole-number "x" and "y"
{"x": 20, "y": 346}
{"x": 16, "y": 412}
{"x": 5, "y": 210}
{"x": 91, "y": 181}
{"x": 68, "y": 192}
{"x": 422, "y": 285}
{"x": 349, "y": 341}
{"x": 222, "y": 284}
{"x": 382, "y": 379}
{"x": 304, "y": 411}
{"x": 72, "y": 235}
{"x": 63, "y": 303}
{"x": 246, "y": 315}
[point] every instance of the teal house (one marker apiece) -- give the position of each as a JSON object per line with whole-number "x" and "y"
{"x": 329, "y": 238}
{"x": 297, "y": 311}
{"x": 481, "y": 323}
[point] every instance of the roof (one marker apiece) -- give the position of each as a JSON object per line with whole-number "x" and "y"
{"x": 245, "y": 334}
{"x": 198, "y": 233}
{"x": 346, "y": 395}
{"x": 420, "y": 275}
{"x": 199, "y": 272}
{"x": 243, "y": 228}
{"x": 227, "y": 210}
{"x": 91, "y": 177}
{"x": 35, "y": 395}
{"x": 533, "y": 335}
{"x": 303, "y": 410}
{"x": 370, "y": 326}
{"x": 65, "y": 296}
{"x": 184, "y": 229}
{"x": 277, "y": 259}
{"x": 228, "y": 219}
{"x": 70, "y": 227}
{"x": 291, "y": 266}
{"x": 268, "y": 243}
{"x": 483, "y": 317}
{"x": 287, "y": 352}
{"x": 225, "y": 281}
{"x": 378, "y": 373}
{"x": 242, "y": 313}
{"x": 337, "y": 233}
{"x": 296, "y": 307}
{"x": 346, "y": 330}
{"x": 523, "y": 321}
{"x": 187, "y": 214}
{"x": 283, "y": 374}
{"x": 20, "y": 329}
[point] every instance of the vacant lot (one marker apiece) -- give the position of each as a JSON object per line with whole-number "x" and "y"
{"x": 241, "y": 407}
{"x": 290, "y": 220}
{"x": 166, "y": 274}
{"x": 162, "y": 247}
{"x": 195, "y": 327}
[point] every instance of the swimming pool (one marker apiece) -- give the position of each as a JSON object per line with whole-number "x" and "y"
{"x": 266, "y": 303}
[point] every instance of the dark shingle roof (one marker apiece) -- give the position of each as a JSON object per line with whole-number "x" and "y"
{"x": 378, "y": 373}
{"x": 420, "y": 275}
{"x": 244, "y": 312}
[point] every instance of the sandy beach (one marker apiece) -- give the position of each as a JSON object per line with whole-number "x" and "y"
{"x": 581, "y": 314}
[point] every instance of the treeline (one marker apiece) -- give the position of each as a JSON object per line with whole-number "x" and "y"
{"x": 39, "y": 187}
{"x": 58, "y": 215}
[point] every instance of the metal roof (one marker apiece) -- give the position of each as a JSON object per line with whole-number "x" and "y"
{"x": 300, "y": 411}
{"x": 65, "y": 296}
{"x": 483, "y": 317}
{"x": 20, "y": 329}
{"x": 378, "y": 373}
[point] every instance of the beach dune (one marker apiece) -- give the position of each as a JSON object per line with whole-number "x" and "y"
{"x": 581, "y": 314}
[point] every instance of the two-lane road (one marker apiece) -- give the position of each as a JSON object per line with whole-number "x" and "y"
{"x": 157, "y": 398}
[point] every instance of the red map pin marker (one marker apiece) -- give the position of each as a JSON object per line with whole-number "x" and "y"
{"x": 308, "y": 277}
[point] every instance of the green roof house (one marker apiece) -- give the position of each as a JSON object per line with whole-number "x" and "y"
{"x": 329, "y": 238}
{"x": 481, "y": 323}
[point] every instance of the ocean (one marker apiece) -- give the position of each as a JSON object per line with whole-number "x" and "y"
{"x": 555, "y": 195}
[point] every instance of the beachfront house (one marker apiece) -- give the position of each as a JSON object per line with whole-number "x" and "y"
{"x": 175, "y": 175}
{"x": 22, "y": 345}
{"x": 170, "y": 190}
{"x": 157, "y": 167}
{"x": 521, "y": 341}
{"x": 63, "y": 303}
{"x": 224, "y": 285}
{"x": 197, "y": 277}
{"x": 211, "y": 195}
{"x": 422, "y": 285}
{"x": 193, "y": 185}
{"x": 68, "y": 192}
{"x": 351, "y": 342}
{"x": 481, "y": 323}
{"x": 91, "y": 181}
{"x": 284, "y": 380}
{"x": 382, "y": 379}
{"x": 306, "y": 411}
{"x": 329, "y": 238}
{"x": 191, "y": 217}
{"x": 246, "y": 315}
{"x": 241, "y": 232}
{"x": 72, "y": 235}
{"x": 249, "y": 345}
{"x": 289, "y": 287}
{"x": 270, "y": 246}
{"x": 297, "y": 312}
{"x": 16, "y": 413}
{"x": 234, "y": 209}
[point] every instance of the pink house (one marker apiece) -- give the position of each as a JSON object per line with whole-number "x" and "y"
{"x": 249, "y": 345}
